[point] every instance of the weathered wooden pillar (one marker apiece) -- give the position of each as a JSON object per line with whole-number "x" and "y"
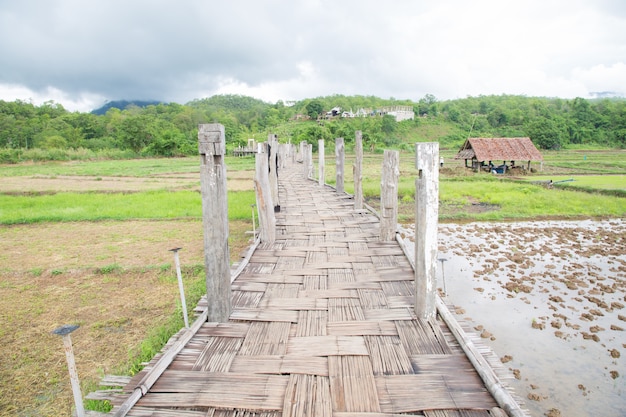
{"x": 264, "y": 203}
{"x": 340, "y": 156}
{"x": 212, "y": 148}
{"x": 357, "y": 170}
{"x": 320, "y": 150}
{"x": 272, "y": 141}
{"x": 389, "y": 196}
{"x": 309, "y": 160}
{"x": 426, "y": 221}
{"x": 300, "y": 156}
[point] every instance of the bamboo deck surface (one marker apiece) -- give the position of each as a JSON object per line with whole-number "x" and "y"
{"x": 322, "y": 325}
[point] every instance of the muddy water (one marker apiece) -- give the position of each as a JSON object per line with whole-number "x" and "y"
{"x": 549, "y": 298}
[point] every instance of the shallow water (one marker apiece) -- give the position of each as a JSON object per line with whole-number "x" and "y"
{"x": 552, "y": 296}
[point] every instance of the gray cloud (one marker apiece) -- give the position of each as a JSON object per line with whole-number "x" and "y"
{"x": 84, "y": 52}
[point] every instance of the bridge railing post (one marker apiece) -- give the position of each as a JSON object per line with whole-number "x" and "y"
{"x": 320, "y": 151}
{"x": 212, "y": 148}
{"x": 340, "y": 156}
{"x": 426, "y": 222}
{"x": 264, "y": 202}
{"x": 272, "y": 142}
{"x": 357, "y": 170}
{"x": 309, "y": 160}
{"x": 389, "y": 196}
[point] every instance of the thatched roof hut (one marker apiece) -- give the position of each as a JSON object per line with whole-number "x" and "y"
{"x": 482, "y": 151}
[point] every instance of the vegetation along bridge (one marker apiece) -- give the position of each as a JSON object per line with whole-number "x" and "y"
{"x": 327, "y": 316}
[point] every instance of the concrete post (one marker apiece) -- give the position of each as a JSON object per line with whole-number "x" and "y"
{"x": 426, "y": 221}
{"x": 357, "y": 170}
{"x": 340, "y": 156}
{"x": 212, "y": 148}
{"x": 389, "y": 196}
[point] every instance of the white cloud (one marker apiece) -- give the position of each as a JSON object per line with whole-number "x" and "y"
{"x": 76, "y": 102}
{"x": 83, "y": 52}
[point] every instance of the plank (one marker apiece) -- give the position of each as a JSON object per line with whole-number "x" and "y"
{"x": 410, "y": 393}
{"x": 221, "y": 390}
{"x": 362, "y": 328}
{"x": 326, "y": 346}
{"x": 281, "y": 364}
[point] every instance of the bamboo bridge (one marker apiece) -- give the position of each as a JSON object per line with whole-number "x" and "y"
{"x": 322, "y": 323}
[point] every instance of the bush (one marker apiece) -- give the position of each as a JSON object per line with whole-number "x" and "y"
{"x": 9, "y": 156}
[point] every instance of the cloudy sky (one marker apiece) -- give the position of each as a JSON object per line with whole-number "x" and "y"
{"x": 81, "y": 53}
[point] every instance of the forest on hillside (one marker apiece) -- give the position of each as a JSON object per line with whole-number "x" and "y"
{"x": 49, "y": 131}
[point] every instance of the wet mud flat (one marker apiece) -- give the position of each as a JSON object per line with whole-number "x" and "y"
{"x": 549, "y": 298}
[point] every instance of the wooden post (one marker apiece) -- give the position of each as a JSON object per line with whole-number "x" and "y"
{"x": 320, "y": 150}
{"x": 357, "y": 170}
{"x": 426, "y": 221}
{"x": 309, "y": 160}
{"x": 340, "y": 156}
{"x": 272, "y": 141}
{"x": 389, "y": 196}
{"x": 212, "y": 148}
{"x": 300, "y": 156}
{"x": 264, "y": 203}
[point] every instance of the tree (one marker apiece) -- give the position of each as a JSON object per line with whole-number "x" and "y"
{"x": 314, "y": 108}
{"x": 545, "y": 133}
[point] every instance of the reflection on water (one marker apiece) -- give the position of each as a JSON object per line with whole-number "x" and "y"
{"x": 552, "y": 294}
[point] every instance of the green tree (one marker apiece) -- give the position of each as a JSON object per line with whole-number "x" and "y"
{"x": 545, "y": 133}
{"x": 314, "y": 108}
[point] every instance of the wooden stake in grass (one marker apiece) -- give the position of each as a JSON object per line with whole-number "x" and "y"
{"x": 212, "y": 148}
{"x": 181, "y": 289}
{"x": 64, "y": 331}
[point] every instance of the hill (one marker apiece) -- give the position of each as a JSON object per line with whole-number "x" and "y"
{"x": 123, "y": 104}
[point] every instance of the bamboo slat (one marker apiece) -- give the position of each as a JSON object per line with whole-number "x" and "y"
{"x": 266, "y": 339}
{"x": 307, "y": 396}
{"x": 312, "y": 323}
{"x": 388, "y": 356}
{"x": 151, "y": 412}
{"x": 397, "y": 393}
{"x": 220, "y": 390}
{"x": 255, "y": 314}
{"x": 281, "y": 364}
{"x": 420, "y": 337}
{"x": 352, "y": 383}
{"x": 326, "y": 346}
{"x": 389, "y": 314}
{"x": 328, "y": 293}
{"x": 362, "y": 328}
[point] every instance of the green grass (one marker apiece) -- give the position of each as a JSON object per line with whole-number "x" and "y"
{"x": 69, "y": 207}
{"x": 515, "y": 200}
{"x": 600, "y": 182}
{"x": 127, "y": 168}
{"x": 587, "y": 161}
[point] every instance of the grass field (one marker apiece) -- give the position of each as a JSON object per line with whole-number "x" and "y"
{"x": 87, "y": 243}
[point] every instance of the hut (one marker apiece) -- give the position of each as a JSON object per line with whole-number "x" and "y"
{"x": 485, "y": 152}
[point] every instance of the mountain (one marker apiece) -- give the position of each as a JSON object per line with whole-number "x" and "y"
{"x": 122, "y": 104}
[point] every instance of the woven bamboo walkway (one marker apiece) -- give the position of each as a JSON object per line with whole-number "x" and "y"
{"x": 322, "y": 325}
